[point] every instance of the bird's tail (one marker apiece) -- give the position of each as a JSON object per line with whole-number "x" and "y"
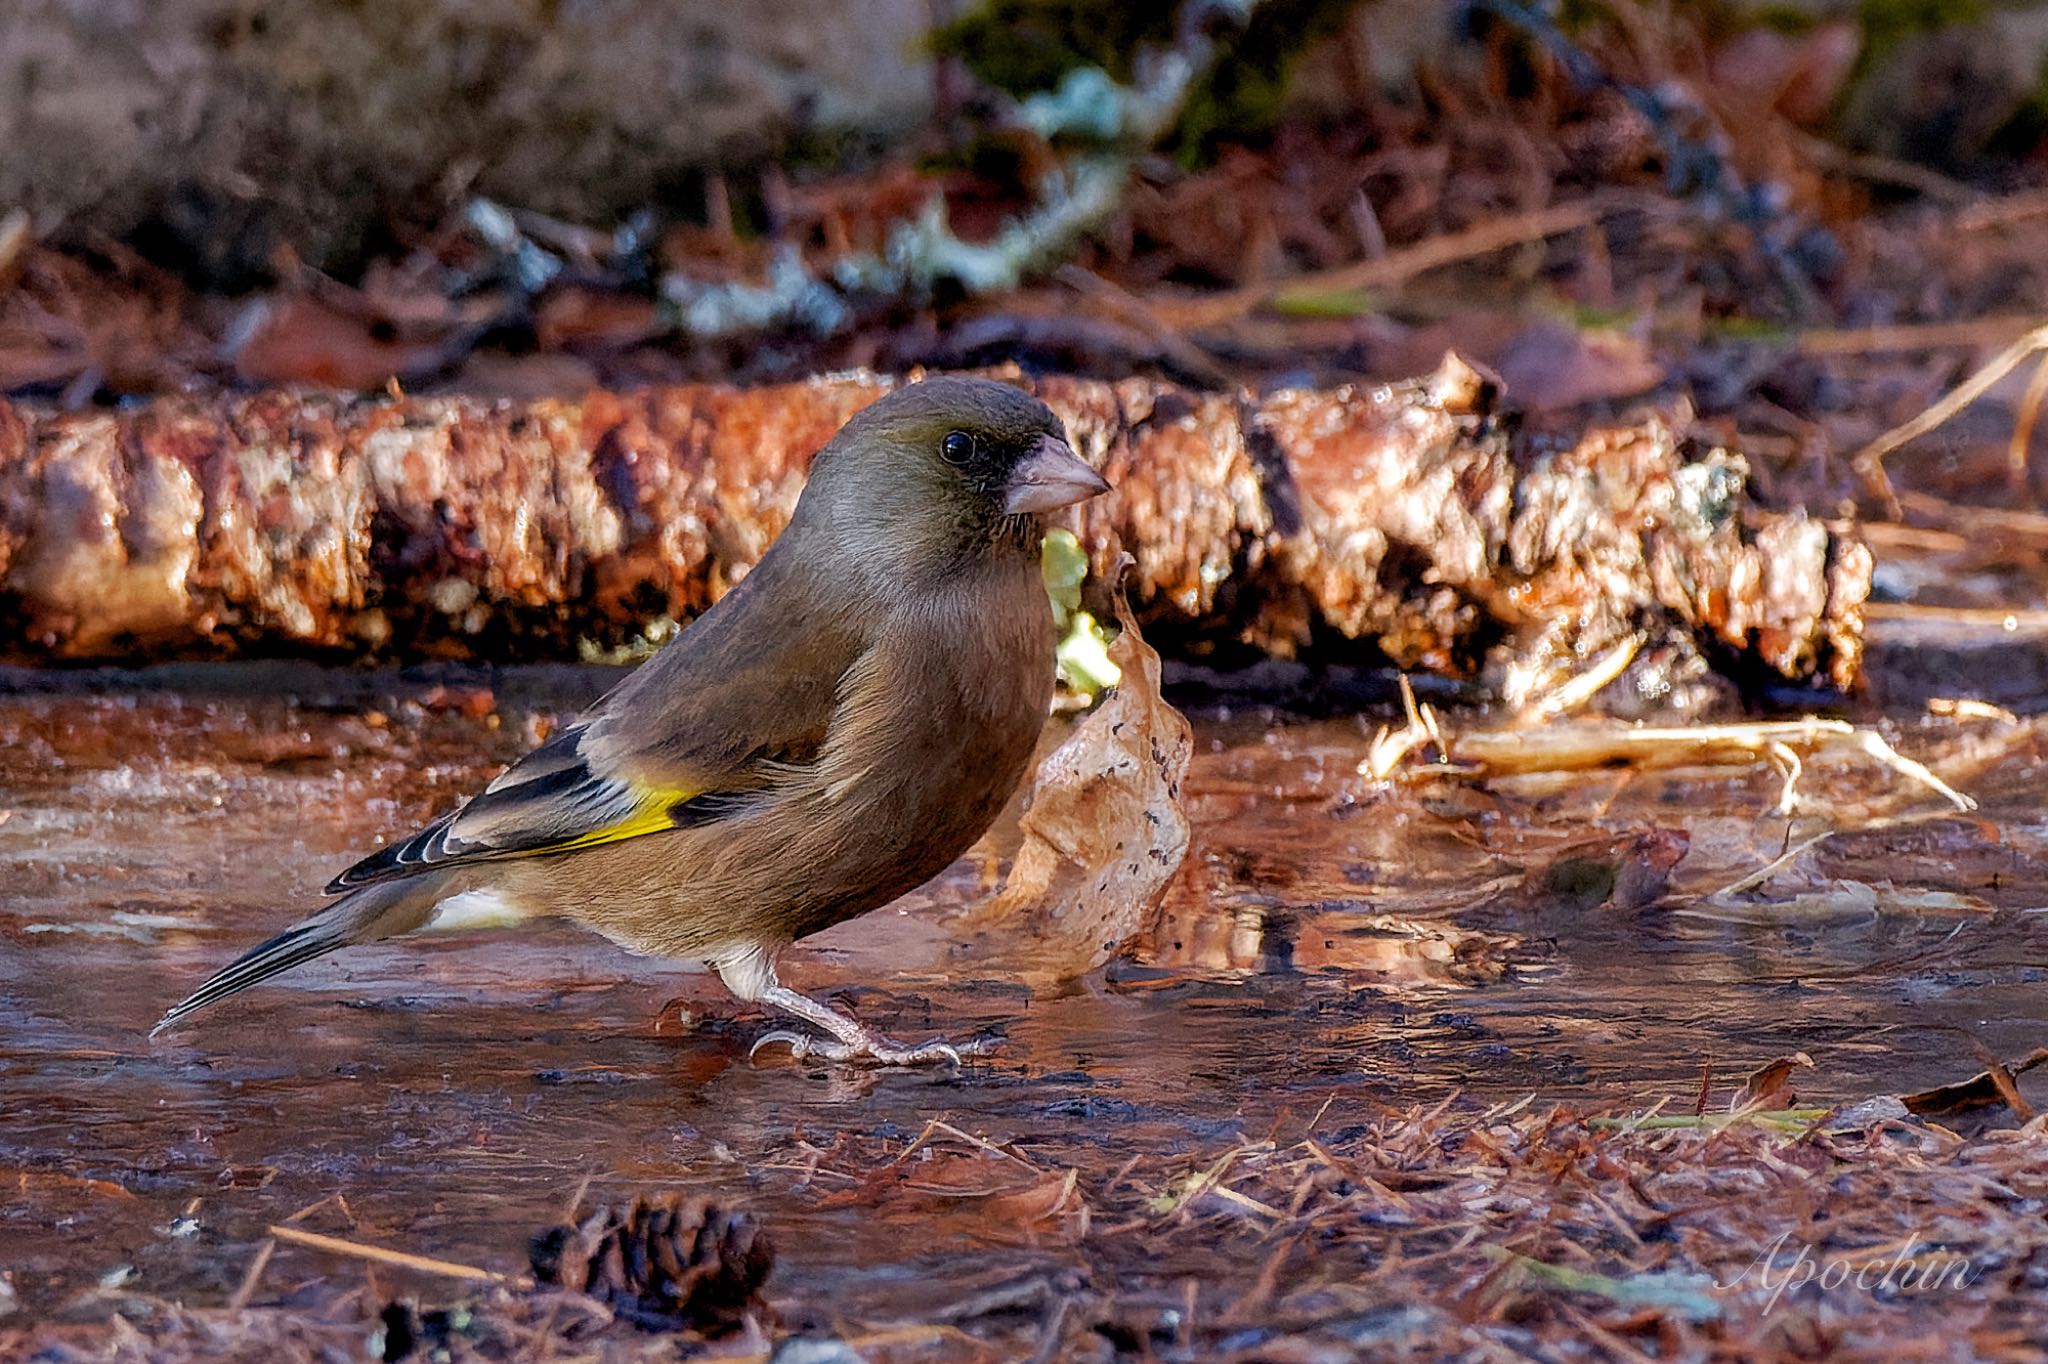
{"x": 383, "y": 910}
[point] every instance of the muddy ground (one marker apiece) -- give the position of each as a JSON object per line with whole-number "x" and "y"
{"x": 1340, "y": 1099}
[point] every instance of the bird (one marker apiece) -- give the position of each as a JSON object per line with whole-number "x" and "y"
{"x": 830, "y": 734}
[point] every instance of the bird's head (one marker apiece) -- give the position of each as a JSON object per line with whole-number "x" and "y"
{"x": 950, "y": 467}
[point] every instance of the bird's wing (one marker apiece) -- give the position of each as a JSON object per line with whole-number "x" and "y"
{"x": 743, "y": 697}
{"x": 562, "y": 796}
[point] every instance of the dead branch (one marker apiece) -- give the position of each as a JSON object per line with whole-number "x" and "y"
{"x": 1587, "y": 748}
{"x": 449, "y": 527}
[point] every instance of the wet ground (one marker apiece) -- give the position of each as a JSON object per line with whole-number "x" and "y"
{"x": 1341, "y": 950}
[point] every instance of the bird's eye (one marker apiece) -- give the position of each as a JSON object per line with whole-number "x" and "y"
{"x": 957, "y": 447}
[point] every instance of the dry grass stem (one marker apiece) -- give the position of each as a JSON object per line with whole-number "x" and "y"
{"x": 399, "y": 1259}
{"x": 1869, "y": 461}
{"x": 1397, "y": 267}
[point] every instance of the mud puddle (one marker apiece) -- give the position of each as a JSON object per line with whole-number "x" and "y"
{"x": 1341, "y": 950}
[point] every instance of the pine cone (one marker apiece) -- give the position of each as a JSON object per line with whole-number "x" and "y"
{"x": 663, "y": 1263}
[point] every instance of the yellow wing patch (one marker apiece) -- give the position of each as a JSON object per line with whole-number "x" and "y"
{"x": 654, "y": 812}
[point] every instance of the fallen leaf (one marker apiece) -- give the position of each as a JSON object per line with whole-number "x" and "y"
{"x": 28, "y": 1180}
{"x": 1800, "y": 75}
{"x": 1632, "y": 871}
{"x": 1396, "y": 949}
{"x": 1983, "y": 1090}
{"x": 990, "y": 1200}
{"x": 576, "y": 318}
{"x": 299, "y": 339}
{"x": 1551, "y": 366}
{"x": 1938, "y": 903}
{"x": 1104, "y": 833}
{"x": 475, "y": 702}
{"x": 1769, "y": 1086}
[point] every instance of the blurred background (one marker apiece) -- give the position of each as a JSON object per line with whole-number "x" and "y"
{"x": 540, "y": 196}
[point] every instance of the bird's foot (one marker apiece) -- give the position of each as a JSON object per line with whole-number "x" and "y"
{"x": 752, "y": 977}
{"x": 868, "y": 1047}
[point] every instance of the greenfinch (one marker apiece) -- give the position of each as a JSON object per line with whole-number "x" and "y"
{"x": 832, "y": 733}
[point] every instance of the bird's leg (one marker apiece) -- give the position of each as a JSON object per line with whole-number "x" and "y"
{"x": 751, "y": 977}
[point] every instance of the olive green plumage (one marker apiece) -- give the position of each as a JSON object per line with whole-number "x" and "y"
{"x": 831, "y": 734}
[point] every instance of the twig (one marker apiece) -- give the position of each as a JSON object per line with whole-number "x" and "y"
{"x": 1996, "y": 618}
{"x": 1969, "y": 708}
{"x": 1576, "y": 748}
{"x": 2023, "y": 427}
{"x": 575, "y": 1204}
{"x": 1869, "y": 461}
{"x": 1775, "y": 865}
{"x": 1883, "y": 170}
{"x": 1138, "y": 313}
{"x": 337, "y": 1200}
{"x": 1968, "y": 521}
{"x": 400, "y": 1259}
{"x": 1396, "y": 267}
{"x": 1372, "y": 238}
{"x": 1050, "y": 1335}
{"x": 253, "y": 1275}
{"x": 941, "y": 1125}
{"x": 1908, "y": 336}
{"x": 1999, "y": 212}
{"x": 1890, "y": 535}
{"x": 1786, "y": 761}
{"x": 1796, "y": 1118}
{"x": 1583, "y": 687}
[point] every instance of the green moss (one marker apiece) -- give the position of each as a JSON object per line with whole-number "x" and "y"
{"x": 1244, "y": 95}
{"x": 1024, "y": 46}
{"x": 1027, "y": 47}
{"x": 1887, "y": 23}
{"x": 1325, "y": 303}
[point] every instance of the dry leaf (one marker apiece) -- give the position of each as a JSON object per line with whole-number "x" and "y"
{"x": 1626, "y": 872}
{"x": 1769, "y": 1086}
{"x": 1104, "y": 832}
{"x": 1800, "y": 75}
{"x": 1397, "y": 949}
{"x": 1550, "y": 367}
{"x": 1983, "y": 1090}
{"x": 989, "y": 1200}
{"x": 298, "y": 339}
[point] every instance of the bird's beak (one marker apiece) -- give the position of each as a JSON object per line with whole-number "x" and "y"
{"x": 1051, "y": 476}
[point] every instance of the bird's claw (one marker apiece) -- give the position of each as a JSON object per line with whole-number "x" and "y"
{"x": 799, "y": 1043}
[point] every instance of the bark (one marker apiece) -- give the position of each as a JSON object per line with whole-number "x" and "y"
{"x": 1403, "y": 518}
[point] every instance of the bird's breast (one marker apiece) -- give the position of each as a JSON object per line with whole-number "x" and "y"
{"x": 934, "y": 732}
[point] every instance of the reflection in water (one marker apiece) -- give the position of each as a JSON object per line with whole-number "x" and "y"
{"x": 1333, "y": 945}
